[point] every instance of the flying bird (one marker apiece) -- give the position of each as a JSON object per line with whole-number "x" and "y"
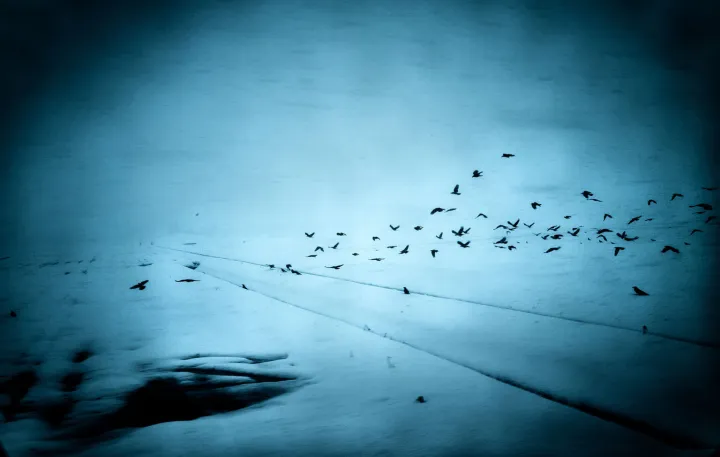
{"x": 710, "y": 218}
{"x": 676, "y": 195}
{"x": 554, "y": 228}
{"x": 603, "y": 237}
{"x": 391, "y": 247}
{"x": 704, "y": 206}
{"x": 295, "y": 272}
{"x": 644, "y": 329}
{"x": 535, "y": 205}
{"x": 607, "y": 216}
{"x": 244, "y": 287}
{"x": 557, "y": 248}
{"x": 319, "y": 248}
{"x": 695, "y": 231}
{"x": 450, "y": 209}
{"x": 575, "y": 232}
{"x": 455, "y": 190}
{"x": 529, "y": 226}
{"x": 406, "y": 250}
{"x": 481, "y": 215}
{"x": 511, "y": 247}
{"x": 186, "y": 280}
{"x": 439, "y": 237}
{"x": 514, "y": 224}
{"x": 340, "y": 234}
{"x": 355, "y": 254}
{"x": 507, "y": 156}
{"x": 557, "y": 236}
{"x": 545, "y": 237}
{"x": 394, "y": 228}
{"x": 309, "y": 235}
{"x": 639, "y": 291}
{"x": 336, "y": 267}
{"x": 311, "y": 255}
{"x": 629, "y": 238}
{"x": 140, "y": 285}
{"x": 378, "y": 259}
{"x": 595, "y": 200}
{"x": 503, "y": 240}
{"x": 334, "y": 246}
{"x": 649, "y": 219}
{"x": 433, "y": 252}
{"x": 669, "y": 248}
{"x": 406, "y": 291}
{"x": 634, "y": 219}
{"x": 464, "y": 245}
{"x": 437, "y": 210}
{"x": 375, "y": 238}
{"x": 477, "y": 174}
{"x": 502, "y": 227}
{"x": 567, "y": 217}
{"x": 587, "y": 194}
{"x": 418, "y": 227}
{"x": 710, "y": 188}
{"x": 651, "y": 201}
{"x": 618, "y": 249}
{"x": 601, "y": 231}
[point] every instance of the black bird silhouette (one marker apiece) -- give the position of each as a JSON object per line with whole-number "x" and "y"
{"x": 271, "y": 266}
{"x": 575, "y": 232}
{"x": 341, "y": 234}
{"x": 595, "y": 200}
{"x": 437, "y": 210}
{"x": 557, "y": 236}
{"x": 710, "y": 188}
{"x": 406, "y": 291}
{"x": 701, "y": 212}
{"x": 439, "y": 237}
{"x": 503, "y": 240}
{"x": 311, "y": 255}
{"x": 634, "y": 219}
{"x": 335, "y": 246}
{"x": 477, "y": 174}
{"x": 244, "y": 287}
{"x": 557, "y": 248}
{"x": 651, "y": 201}
{"x": 502, "y": 227}
{"x": 464, "y": 245}
{"x": 649, "y": 219}
{"x": 140, "y": 285}
{"x": 567, "y": 217}
{"x": 639, "y": 291}
{"x": 507, "y": 156}
{"x": 309, "y": 235}
{"x": 704, "y": 206}
{"x": 529, "y": 226}
{"x": 554, "y": 228}
{"x": 378, "y": 259}
{"x": 455, "y": 190}
{"x": 288, "y": 266}
{"x": 622, "y": 235}
{"x": 631, "y": 238}
{"x": 695, "y": 231}
{"x": 295, "y": 272}
{"x": 511, "y": 247}
{"x": 283, "y": 270}
{"x": 644, "y": 329}
{"x": 587, "y": 194}
{"x": 669, "y": 248}
{"x": 535, "y": 205}
{"x": 467, "y": 230}
{"x": 545, "y": 237}
{"x": 392, "y": 247}
{"x": 676, "y": 195}
{"x": 481, "y": 215}
{"x": 394, "y": 228}
{"x": 186, "y": 280}
{"x": 710, "y": 218}
{"x": 406, "y": 250}
{"x": 602, "y": 236}
{"x": 336, "y": 267}
{"x": 514, "y": 224}
{"x": 319, "y": 248}
{"x": 418, "y": 227}
{"x": 686, "y": 243}
{"x": 433, "y": 252}
{"x": 375, "y": 238}
{"x": 355, "y": 254}
{"x": 604, "y": 230}
{"x": 450, "y": 209}
{"x": 606, "y": 216}
{"x": 618, "y": 249}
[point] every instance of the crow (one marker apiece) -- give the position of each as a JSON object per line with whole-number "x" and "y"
{"x": 634, "y": 219}
{"x": 649, "y": 219}
{"x": 651, "y": 201}
{"x": 355, "y": 254}
{"x": 701, "y": 212}
{"x": 575, "y": 232}
{"x": 567, "y": 217}
{"x": 455, "y": 190}
{"x": 639, "y": 291}
{"x": 507, "y": 156}
{"x": 502, "y": 241}
{"x": 147, "y": 264}
{"x": 511, "y": 247}
{"x": 633, "y": 238}
{"x": 378, "y": 259}
{"x": 335, "y": 246}
{"x": 709, "y": 219}
{"x": 669, "y": 248}
{"x": 529, "y": 226}
{"x": 686, "y": 243}
{"x": 676, "y": 195}
{"x": 140, "y": 285}
{"x": 477, "y": 174}
{"x": 439, "y": 237}
{"x": 554, "y": 228}
{"x": 418, "y": 227}
{"x": 450, "y": 209}
{"x": 391, "y": 247}
{"x": 535, "y": 205}
{"x": 622, "y": 235}
{"x": 311, "y": 255}
{"x": 464, "y": 245}
{"x": 336, "y": 267}
{"x": 704, "y": 206}
{"x": 295, "y": 272}
{"x": 271, "y": 266}
{"x": 502, "y": 227}
{"x": 710, "y": 188}
{"x": 602, "y": 236}
{"x": 618, "y": 249}
{"x": 433, "y": 252}
{"x": 406, "y": 291}
{"x": 467, "y": 230}
{"x": 288, "y": 266}
{"x": 375, "y": 238}
{"x": 244, "y": 287}
{"x": 606, "y": 216}
{"x": 394, "y": 228}
{"x": 186, "y": 280}
{"x": 545, "y": 237}
{"x": 437, "y": 210}
{"x": 557, "y": 248}
{"x": 601, "y": 231}
{"x": 319, "y": 248}
{"x": 340, "y": 234}
{"x": 481, "y": 214}
{"x": 557, "y": 236}
{"x": 406, "y": 250}
{"x": 587, "y": 194}
{"x": 695, "y": 231}
{"x": 515, "y": 224}
{"x": 309, "y": 235}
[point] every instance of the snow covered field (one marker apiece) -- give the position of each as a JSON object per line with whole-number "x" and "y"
{"x": 226, "y": 134}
